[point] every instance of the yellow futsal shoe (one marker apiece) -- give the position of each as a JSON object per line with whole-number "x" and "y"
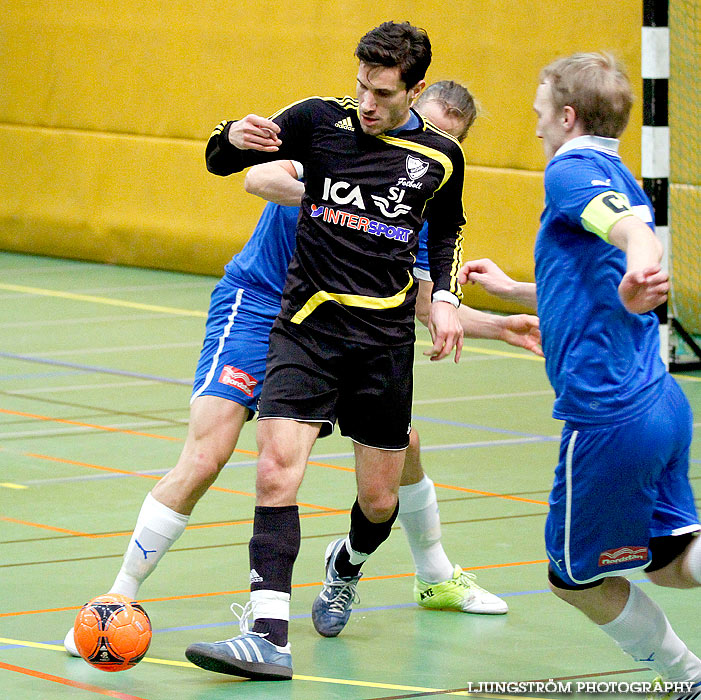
{"x": 459, "y": 593}
{"x": 671, "y": 691}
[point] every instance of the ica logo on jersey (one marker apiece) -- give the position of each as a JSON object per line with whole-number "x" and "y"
{"x": 342, "y": 193}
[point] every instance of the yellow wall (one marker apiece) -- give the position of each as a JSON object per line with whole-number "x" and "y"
{"x": 107, "y": 107}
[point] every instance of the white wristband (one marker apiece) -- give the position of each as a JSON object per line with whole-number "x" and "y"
{"x": 445, "y": 295}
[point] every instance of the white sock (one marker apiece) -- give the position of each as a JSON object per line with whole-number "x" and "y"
{"x": 693, "y": 559}
{"x": 157, "y": 527}
{"x": 420, "y": 520}
{"x": 355, "y": 558}
{"x": 643, "y": 631}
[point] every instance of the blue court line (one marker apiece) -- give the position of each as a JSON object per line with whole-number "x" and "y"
{"x": 474, "y": 426}
{"x": 95, "y": 368}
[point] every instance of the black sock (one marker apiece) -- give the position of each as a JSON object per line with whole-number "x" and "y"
{"x": 275, "y": 631}
{"x": 272, "y": 553}
{"x": 365, "y": 537}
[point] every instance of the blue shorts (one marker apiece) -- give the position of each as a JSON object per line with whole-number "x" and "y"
{"x": 232, "y": 361}
{"x": 617, "y": 486}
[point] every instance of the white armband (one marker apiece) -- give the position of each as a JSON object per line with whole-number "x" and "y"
{"x": 445, "y": 295}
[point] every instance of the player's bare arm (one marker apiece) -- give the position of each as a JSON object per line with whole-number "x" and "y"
{"x": 255, "y": 133}
{"x": 275, "y": 182}
{"x": 519, "y": 330}
{"x": 645, "y": 285}
{"x": 496, "y": 282}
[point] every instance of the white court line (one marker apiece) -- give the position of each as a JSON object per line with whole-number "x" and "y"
{"x": 480, "y": 397}
{"x": 82, "y": 387}
{"x": 116, "y": 348}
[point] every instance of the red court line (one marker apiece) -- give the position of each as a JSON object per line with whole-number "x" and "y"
{"x": 242, "y": 591}
{"x": 88, "y": 425}
{"x": 44, "y": 527}
{"x": 490, "y": 493}
{"x": 240, "y": 451}
{"x": 203, "y": 526}
{"x": 72, "y": 684}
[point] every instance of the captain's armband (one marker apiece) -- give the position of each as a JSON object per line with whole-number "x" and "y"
{"x": 605, "y": 210}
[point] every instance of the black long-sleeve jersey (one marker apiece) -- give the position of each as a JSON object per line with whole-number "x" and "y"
{"x": 366, "y": 198}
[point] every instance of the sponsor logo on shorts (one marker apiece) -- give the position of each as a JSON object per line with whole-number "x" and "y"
{"x": 360, "y": 223}
{"x": 232, "y": 376}
{"x": 622, "y": 555}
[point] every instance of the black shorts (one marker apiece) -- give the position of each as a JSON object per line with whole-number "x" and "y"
{"x": 313, "y": 377}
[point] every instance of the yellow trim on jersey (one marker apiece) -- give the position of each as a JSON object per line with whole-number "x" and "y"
{"x": 352, "y": 300}
{"x": 345, "y": 102}
{"x": 428, "y": 123}
{"x": 605, "y": 210}
{"x": 425, "y": 151}
{"x": 219, "y": 128}
{"x": 447, "y": 164}
{"x": 455, "y": 287}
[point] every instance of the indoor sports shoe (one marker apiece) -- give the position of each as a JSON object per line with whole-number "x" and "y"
{"x": 661, "y": 693}
{"x": 458, "y": 593}
{"x": 332, "y": 607}
{"x": 69, "y": 644}
{"x": 249, "y": 655}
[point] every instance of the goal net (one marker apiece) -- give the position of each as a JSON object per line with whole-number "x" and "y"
{"x": 684, "y": 182}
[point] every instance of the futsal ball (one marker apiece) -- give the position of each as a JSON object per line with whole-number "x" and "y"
{"x": 112, "y": 632}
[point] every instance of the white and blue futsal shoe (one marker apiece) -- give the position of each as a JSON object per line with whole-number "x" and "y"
{"x": 249, "y": 655}
{"x": 332, "y": 607}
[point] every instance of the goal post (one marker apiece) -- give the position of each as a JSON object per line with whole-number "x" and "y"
{"x": 670, "y": 167}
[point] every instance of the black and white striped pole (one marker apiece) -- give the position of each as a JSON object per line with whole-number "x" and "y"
{"x": 655, "y": 134}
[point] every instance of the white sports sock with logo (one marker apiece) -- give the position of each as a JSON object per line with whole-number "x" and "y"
{"x": 420, "y": 520}
{"x": 157, "y": 527}
{"x": 643, "y": 631}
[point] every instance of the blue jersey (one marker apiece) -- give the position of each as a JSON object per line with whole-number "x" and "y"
{"x": 602, "y": 361}
{"x": 262, "y": 263}
{"x": 422, "y": 270}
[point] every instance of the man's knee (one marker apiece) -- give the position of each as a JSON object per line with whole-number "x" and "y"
{"x": 378, "y": 505}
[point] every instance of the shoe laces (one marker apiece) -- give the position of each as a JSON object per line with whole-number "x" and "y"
{"x": 342, "y": 594}
{"x": 243, "y": 613}
{"x": 467, "y": 580}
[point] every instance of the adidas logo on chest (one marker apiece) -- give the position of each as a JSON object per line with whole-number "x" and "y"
{"x": 346, "y": 124}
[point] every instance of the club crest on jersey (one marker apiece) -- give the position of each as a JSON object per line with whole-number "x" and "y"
{"x": 622, "y": 555}
{"x": 232, "y": 376}
{"x": 343, "y": 193}
{"x": 415, "y": 167}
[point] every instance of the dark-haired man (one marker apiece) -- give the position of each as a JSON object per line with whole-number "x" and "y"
{"x": 342, "y": 346}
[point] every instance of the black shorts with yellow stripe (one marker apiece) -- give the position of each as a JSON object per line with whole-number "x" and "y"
{"x": 314, "y": 377}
